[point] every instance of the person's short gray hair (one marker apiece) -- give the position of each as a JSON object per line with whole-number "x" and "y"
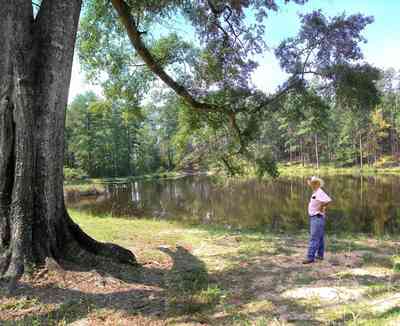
{"x": 318, "y": 180}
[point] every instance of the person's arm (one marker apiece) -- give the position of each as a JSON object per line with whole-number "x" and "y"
{"x": 323, "y": 207}
{"x": 324, "y": 200}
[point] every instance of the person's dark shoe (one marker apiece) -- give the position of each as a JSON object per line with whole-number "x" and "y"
{"x": 319, "y": 258}
{"x": 307, "y": 261}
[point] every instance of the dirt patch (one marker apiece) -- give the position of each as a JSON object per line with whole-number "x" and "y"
{"x": 382, "y": 305}
{"x": 325, "y": 294}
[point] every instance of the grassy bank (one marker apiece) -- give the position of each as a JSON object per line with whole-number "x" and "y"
{"x": 298, "y": 169}
{"x": 386, "y": 164}
{"x": 205, "y": 275}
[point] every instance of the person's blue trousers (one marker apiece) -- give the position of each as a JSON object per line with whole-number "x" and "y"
{"x": 317, "y": 232}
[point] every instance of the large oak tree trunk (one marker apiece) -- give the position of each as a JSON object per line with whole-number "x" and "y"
{"x": 35, "y": 69}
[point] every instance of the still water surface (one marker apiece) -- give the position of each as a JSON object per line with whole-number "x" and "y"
{"x": 361, "y": 204}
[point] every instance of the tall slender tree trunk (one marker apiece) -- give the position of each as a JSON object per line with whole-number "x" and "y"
{"x": 130, "y": 151}
{"x": 329, "y": 150}
{"x": 396, "y": 137}
{"x": 302, "y": 152}
{"x": 35, "y": 70}
{"x": 391, "y": 131}
{"x": 361, "y": 152}
{"x": 90, "y": 140}
{"x": 362, "y": 191}
{"x": 170, "y": 159}
{"x": 316, "y": 150}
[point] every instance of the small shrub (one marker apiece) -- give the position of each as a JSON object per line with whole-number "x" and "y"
{"x": 212, "y": 295}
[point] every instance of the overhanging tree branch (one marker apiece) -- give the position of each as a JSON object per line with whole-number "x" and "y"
{"x": 124, "y": 12}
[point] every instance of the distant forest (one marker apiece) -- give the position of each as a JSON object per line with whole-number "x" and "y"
{"x": 108, "y": 138}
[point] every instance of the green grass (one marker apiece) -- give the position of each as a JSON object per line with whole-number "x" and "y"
{"x": 67, "y": 313}
{"x": 297, "y": 169}
{"x": 396, "y": 263}
{"x": 212, "y": 275}
{"x": 357, "y": 314}
{"x": 390, "y": 317}
{"x": 22, "y": 303}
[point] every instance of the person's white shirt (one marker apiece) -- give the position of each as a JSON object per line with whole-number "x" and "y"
{"x": 318, "y": 198}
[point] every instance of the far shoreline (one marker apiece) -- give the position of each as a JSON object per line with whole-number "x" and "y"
{"x": 96, "y": 186}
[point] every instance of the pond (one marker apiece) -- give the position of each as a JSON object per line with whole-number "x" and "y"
{"x": 361, "y": 204}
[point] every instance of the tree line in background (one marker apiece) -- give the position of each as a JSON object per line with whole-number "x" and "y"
{"x": 111, "y": 138}
{"x": 339, "y": 133}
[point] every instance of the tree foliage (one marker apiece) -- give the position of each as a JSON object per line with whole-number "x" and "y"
{"x": 209, "y": 67}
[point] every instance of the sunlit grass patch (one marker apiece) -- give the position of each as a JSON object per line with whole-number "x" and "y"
{"x": 376, "y": 290}
{"x": 57, "y": 315}
{"x": 379, "y": 306}
{"x": 258, "y": 307}
{"x": 297, "y": 169}
{"x": 343, "y": 245}
{"x": 390, "y": 317}
{"x": 192, "y": 293}
{"x": 396, "y": 263}
{"x": 107, "y": 228}
{"x": 344, "y": 314}
{"x": 365, "y": 317}
{"x": 371, "y": 259}
{"x": 304, "y": 278}
{"x": 19, "y": 303}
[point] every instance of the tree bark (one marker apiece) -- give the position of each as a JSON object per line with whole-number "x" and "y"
{"x": 90, "y": 169}
{"x": 361, "y": 153}
{"x": 302, "y": 152}
{"x": 316, "y": 150}
{"x": 130, "y": 151}
{"x": 35, "y": 71}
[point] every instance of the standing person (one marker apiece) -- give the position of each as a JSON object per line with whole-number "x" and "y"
{"x": 317, "y": 212}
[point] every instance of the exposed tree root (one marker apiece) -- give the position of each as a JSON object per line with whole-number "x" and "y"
{"x": 13, "y": 264}
{"x": 109, "y": 250}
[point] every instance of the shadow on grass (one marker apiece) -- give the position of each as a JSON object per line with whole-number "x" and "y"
{"x": 365, "y": 317}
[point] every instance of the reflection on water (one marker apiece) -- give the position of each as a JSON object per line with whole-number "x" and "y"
{"x": 361, "y": 204}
